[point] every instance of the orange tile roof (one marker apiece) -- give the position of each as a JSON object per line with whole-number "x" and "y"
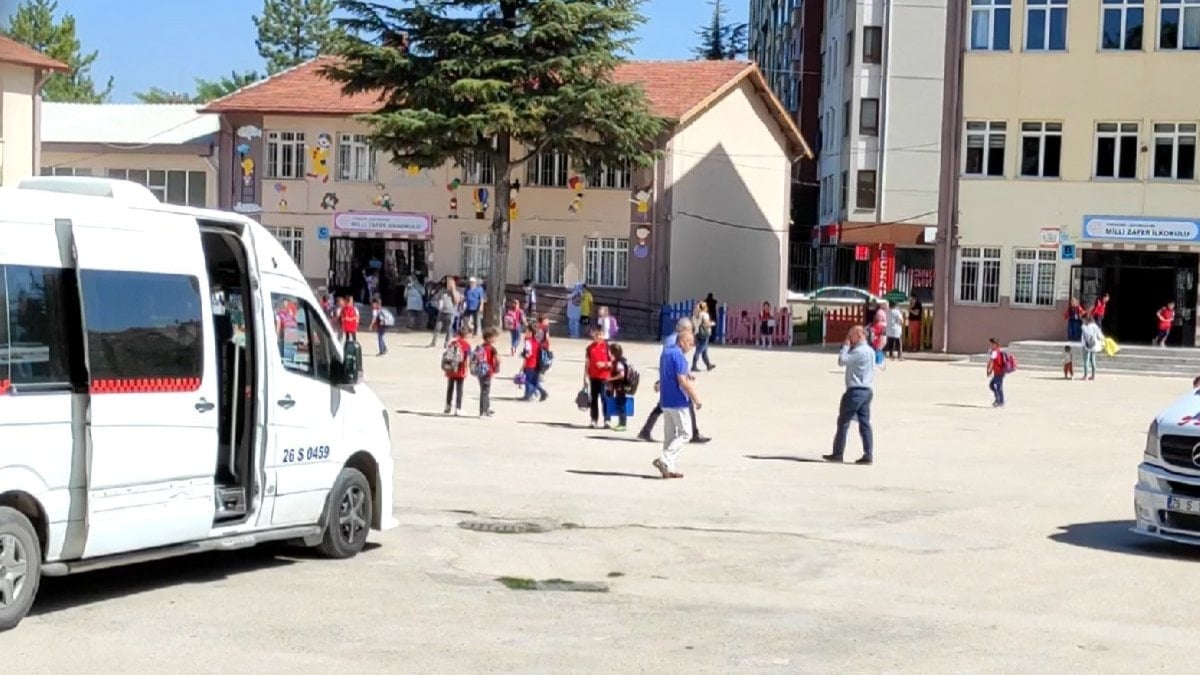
{"x": 677, "y": 90}
{"x": 16, "y": 53}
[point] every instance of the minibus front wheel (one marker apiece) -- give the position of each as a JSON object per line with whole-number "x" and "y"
{"x": 20, "y": 567}
{"x": 347, "y": 515}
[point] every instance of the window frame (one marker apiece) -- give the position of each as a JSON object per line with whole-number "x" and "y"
{"x": 1049, "y": 7}
{"x": 351, "y": 147}
{"x": 872, "y": 45}
{"x": 1039, "y": 258}
{"x": 553, "y": 244}
{"x": 1182, "y": 7}
{"x": 612, "y": 178}
{"x": 865, "y": 129}
{"x": 291, "y": 238}
{"x": 480, "y": 245}
{"x": 560, "y": 166}
{"x": 859, "y": 190}
{"x": 1176, "y": 135}
{"x": 1124, "y": 7}
{"x": 991, "y": 8}
{"x": 983, "y": 256}
{"x": 312, "y": 323}
{"x": 1042, "y": 134}
{"x": 599, "y": 246}
{"x": 59, "y": 319}
{"x": 991, "y": 129}
{"x": 1118, "y": 134}
{"x": 273, "y": 145}
{"x": 65, "y": 171}
{"x": 478, "y": 169}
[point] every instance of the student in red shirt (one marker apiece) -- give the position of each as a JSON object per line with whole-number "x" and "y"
{"x": 1100, "y": 309}
{"x": 1166, "y": 318}
{"x": 456, "y": 371}
{"x": 766, "y": 325}
{"x": 597, "y": 370}
{"x": 488, "y": 367}
{"x": 531, "y": 352}
{"x": 349, "y": 320}
{"x": 543, "y": 331}
{"x": 996, "y": 370}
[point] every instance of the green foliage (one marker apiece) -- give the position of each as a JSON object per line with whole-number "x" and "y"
{"x": 456, "y": 74}
{"x": 721, "y": 40}
{"x": 291, "y": 32}
{"x": 33, "y": 24}
{"x": 206, "y": 90}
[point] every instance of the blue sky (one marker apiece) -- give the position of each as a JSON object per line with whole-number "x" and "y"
{"x": 169, "y": 43}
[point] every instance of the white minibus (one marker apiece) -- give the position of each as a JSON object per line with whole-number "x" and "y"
{"x": 168, "y": 385}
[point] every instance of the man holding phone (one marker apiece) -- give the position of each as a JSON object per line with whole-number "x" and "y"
{"x": 858, "y": 359}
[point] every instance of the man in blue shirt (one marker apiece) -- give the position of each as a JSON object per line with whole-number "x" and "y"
{"x": 683, "y": 325}
{"x": 473, "y": 302}
{"x": 858, "y": 359}
{"x": 676, "y": 396}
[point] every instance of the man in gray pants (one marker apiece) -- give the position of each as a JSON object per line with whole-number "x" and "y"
{"x": 445, "y": 320}
{"x": 681, "y": 326}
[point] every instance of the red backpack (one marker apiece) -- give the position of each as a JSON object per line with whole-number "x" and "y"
{"x": 1010, "y": 363}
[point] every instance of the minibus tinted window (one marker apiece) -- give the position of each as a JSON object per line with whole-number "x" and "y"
{"x": 4, "y": 358}
{"x": 305, "y": 347}
{"x": 37, "y": 326}
{"x": 142, "y": 325}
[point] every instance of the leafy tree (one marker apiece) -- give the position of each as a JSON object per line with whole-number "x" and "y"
{"x": 206, "y": 90}
{"x": 536, "y": 74}
{"x": 33, "y": 24}
{"x": 721, "y": 40}
{"x": 291, "y": 32}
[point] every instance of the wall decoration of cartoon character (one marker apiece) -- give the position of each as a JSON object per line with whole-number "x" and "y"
{"x": 382, "y": 200}
{"x": 281, "y": 190}
{"x": 575, "y": 184}
{"x": 329, "y": 201}
{"x": 245, "y": 185}
{"x": 642, "y": 248}
{"x": 641, "y": 202}
{"x": 513, "y": 212}
{"x": 479, "y": 197}
{"x": 318, "y": 158}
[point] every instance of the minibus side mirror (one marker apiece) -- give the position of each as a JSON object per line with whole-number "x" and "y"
{"x": 351, "y": 362}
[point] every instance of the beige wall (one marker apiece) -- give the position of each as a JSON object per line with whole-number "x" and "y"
{"x": 604, "y": 212}
{"x": 730, "y": 165}
{"x": 103, "y": 159}
{"x": 1078, "y": 88}
{"x": 16, "y": 124}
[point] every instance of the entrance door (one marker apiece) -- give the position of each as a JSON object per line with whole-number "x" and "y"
{"x": 1185, "y": 306}
{"x": 1139, "y": 283}
{"x": 152, "y": 420}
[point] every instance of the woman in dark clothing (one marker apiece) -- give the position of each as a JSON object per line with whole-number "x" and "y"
{"x": 916, "y": 312}
{"x": 1074, "y": 316}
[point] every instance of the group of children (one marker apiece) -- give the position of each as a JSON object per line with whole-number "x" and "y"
{"x": 459, "y": 360}
{"x": 344, "y": 314}
{"x": 607, "y": 375}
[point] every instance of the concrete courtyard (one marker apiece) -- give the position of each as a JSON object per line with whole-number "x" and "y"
{"x": 980, "y": 541}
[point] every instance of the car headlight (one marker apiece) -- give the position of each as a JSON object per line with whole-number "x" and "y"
{"x": 1152, "y": 441}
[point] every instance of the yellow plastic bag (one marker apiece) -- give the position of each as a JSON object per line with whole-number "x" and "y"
{"x": 1111, "y": 347}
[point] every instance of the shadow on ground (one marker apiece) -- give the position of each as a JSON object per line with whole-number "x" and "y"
{"x": 786, "y": 458}
{"x": 981, "y": 406}
{"x": 613, "y": 474}
{"x": 1113, "y": 536}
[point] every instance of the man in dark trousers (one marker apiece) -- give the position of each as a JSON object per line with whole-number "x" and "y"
{"x": 684, "y": 325}
{"x": 858, "y": 359}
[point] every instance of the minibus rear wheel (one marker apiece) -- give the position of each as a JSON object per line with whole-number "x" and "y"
{"x": 20, "y": 567}
{"x": 347, "y": 515}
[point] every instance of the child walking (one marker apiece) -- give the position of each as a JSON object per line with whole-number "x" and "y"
{"x": 349, "y": 319}
{"x": 487, "y": 364}
{"x": 766, "y": 325}
{"x": 454, "y": 364}
{"x": 1068, "y": 363}
{"x": 531, "y": 351}
{"x": 618, "y": 382}
{"x": 597, "y": 370}
{"x": 379, "y": 325}
{"x": 514, "y": 319}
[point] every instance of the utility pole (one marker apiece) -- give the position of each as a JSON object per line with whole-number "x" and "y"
{"x": 952, "y": 134}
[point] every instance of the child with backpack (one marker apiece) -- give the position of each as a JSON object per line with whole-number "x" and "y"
{"x": 619, "y": 382}
{"x": 485, "y": 363}
{"x": 380, "y": 320}
{"x": 597, "y": 371}
{"x": 531, "y": 352}
{"x": 514, "y": 319}
{"x": 1000, "y": 363}
{"x": 348, "y": 317}
{"x": 454, "y": 365}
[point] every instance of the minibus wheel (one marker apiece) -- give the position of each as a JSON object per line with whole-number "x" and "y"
{"x": 20, "y": 567}
{"x": 347, "y": 516}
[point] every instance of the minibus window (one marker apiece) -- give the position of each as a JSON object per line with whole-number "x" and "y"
{"x": 305, "y": 347}
{"x": 4, "y": 358}
{"x": 37, "y": 325}
{"x": 143, "y": 326}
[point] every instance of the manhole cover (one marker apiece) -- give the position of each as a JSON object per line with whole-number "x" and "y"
{"x": 522, "y": 584}
{"x": 509, "y": 526}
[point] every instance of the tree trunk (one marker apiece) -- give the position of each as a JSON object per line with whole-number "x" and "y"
{"x": 497, "y": 281}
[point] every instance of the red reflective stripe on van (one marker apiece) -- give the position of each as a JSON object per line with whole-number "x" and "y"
{"x": 144, "y": 385}
{"x": 4, "y": 385}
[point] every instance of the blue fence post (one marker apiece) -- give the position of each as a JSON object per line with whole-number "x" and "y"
{"x": 719, "y": 328}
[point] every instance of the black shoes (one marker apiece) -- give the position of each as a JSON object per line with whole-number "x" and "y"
{"x": 837, "y": 459}
{"x": 864, "y": 461}
{"x": 700, "y": 439}
{"x": 832, "y": 458}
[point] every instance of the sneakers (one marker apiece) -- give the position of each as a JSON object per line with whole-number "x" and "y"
{"x": 837, "y": 459}
{"x": 864, "y": 461}
{"x": 544, "y": 397}
{"x": 700, "y": 439}
{"x": 619, "y": 427}
{"x": 446, "y": 411}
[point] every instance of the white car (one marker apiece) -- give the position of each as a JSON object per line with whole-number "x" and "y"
{"x": 834, "y": 295}
{"x": 1166, "y": 500}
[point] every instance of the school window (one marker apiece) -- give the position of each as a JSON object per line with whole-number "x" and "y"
{"x": 1033, "y": 276}
{"x": 868, "y": 117}
{"x": 1045, "y": 25}
{"x": 1121, "y": 24}
{"x": 305, "y": 348}
{"x": 356, "y": 158}
{"x": 476, "y": 252}
{"x": 545, "y": 258}
{"x": 991, "y": 21}
{"x": 1175, "y": 151}
{"x": 1116, "y": 149}
{"x": 872, "y": 44}
{"x": 978, "y": 276}
{"x": 607, "y": 262}
{"x": 985, "y": 148}
{"x": 285, "y": 154}
{"x": 1041, "y": 149}
{"x": 64, "y": 171}
{"x": 549, "y": 168}
{"x": 292, "y": 240}
{"x": 171, "y": 186}
{"x": 158, "y": 336}
{"x": 612, "y": 177}
{"x": 34, "y": 327}
{"x": 1179, "y": 24}
{"x": 478, "y": 169}
{"x": 865, "y": 189}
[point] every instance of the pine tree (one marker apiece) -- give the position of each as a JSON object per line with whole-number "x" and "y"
{"x": 291, "y": 32}
{"x": 720, "y": 40}
{"x": 33, "y": 24}
{"x": 538, "y": 74}
{"x": 206, "y": 90}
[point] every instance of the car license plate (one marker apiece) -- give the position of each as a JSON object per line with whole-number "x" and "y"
{"x": 1183, "y": 505}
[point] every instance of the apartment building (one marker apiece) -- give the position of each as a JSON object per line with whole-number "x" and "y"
{"x": 294, "y": 156}
{"x": 1078, "y": 169}
{"x": 785, "y": 42}
{"x": 22, "y": 73}
{"x": 171, "y": 148}
{"x": 880, "y": 148}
